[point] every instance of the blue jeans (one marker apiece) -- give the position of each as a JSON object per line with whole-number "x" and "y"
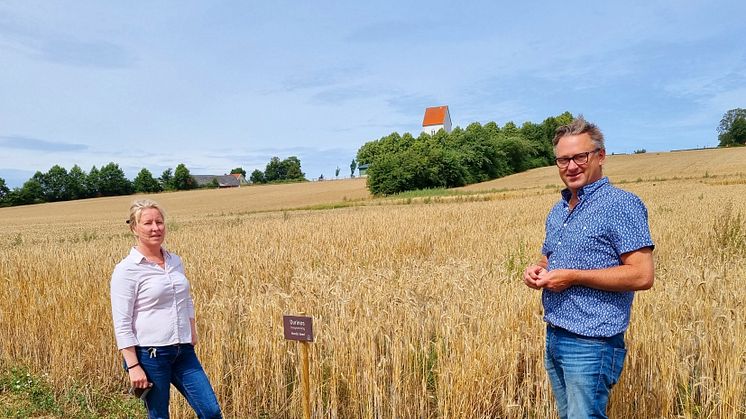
{"x": 582, "y": 371}
{"x": 177, "y": 365}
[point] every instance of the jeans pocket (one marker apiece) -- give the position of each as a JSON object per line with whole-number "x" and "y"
{"x": 617, "y": 363}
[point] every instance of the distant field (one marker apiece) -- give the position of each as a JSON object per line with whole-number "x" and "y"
{"x": 419, "y": 307}
{"x": 646, "y": 166}
{"x": 110, "y": 212}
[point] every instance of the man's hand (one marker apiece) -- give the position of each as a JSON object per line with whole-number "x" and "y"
{"x": 532, "y": 274}
{"x": 556, "y": 280}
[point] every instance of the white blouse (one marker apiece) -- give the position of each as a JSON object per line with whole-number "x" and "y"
{"x": 150, "y": 305}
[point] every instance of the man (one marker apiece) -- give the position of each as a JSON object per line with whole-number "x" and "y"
{"x": 596, "y": 253}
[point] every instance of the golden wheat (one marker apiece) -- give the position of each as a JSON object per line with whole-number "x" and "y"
{"x": 419, "y": 309}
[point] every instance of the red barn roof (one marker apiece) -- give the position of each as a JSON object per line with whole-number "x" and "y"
{"x": 435, "y": 116}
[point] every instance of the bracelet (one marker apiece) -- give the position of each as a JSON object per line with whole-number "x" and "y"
{"x": 133, "y": 366}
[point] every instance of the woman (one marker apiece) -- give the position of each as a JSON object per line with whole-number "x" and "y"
{"x": 153, "y": 317}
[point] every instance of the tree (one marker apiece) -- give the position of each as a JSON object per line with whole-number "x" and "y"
{"x": 491, "y": 129}
{"x": 167, "y": 180}
{"x": 369, "y": 151}
{"x": 535, "y": 134}
{"x": 40, "y": 179}
{"x": 519, "y": 151}
{"x": 728, "y": 119}
{"x": 353, "y": 166}
{"x": 183, "y": 180}
{"x": 336, "y": 172}
{"x": 92, "y": 181}
{"x": 738, "y": 131}
{"x": 292, "y": 169}
{"x": 283, "y": 170}
{"x": 732, "y": 128}
{"x": 274, "y": 170}
{"x": 239, "y": 170}
{"x": 396, "y": 172}
{"x": 145, "y": 183}
{"x": 30, "y": 193}
{"x": 510, "y": 129}
{"x": 54, "y": 184}
{"x": 257, "y": 176}
{"x": 4, "y": 191}
{"x": 77, "y": 183}
{"x": 112, "y": 181}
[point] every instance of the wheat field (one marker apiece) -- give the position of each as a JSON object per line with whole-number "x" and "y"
{"x": 419, "y": 308}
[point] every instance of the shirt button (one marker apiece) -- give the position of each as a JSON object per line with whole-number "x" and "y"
{"x": 559, "y": 242}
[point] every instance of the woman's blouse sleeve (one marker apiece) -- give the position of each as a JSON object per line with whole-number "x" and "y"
{"x": 123, "y": 295}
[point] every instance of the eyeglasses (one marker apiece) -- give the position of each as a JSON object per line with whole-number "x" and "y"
{"x": 579, "y": 159}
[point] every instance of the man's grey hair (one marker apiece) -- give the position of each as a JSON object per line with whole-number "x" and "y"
{"x": 577, "y": 127}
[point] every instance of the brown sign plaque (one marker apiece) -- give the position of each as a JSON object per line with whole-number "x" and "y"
{"x": 298, "y": 328}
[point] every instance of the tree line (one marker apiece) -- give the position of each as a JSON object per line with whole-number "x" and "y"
{"x": 398, "y": 163}
{"x": 59, "y": 184}
{"x": 278, "y": 171}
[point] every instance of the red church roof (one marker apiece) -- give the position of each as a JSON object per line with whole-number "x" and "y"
{"x": 435, "y": 116}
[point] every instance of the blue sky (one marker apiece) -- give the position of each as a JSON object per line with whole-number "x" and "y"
{"x": 221, "y": 84}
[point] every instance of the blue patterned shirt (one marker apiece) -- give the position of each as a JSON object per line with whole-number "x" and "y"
{"x": 605, "y": 223}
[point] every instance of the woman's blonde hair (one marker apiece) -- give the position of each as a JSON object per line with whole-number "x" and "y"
{"x": 136, "y": 210}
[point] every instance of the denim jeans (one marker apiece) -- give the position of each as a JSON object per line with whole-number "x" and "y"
{"x": 582, "y": 371}
{"x": 177, "y": 365}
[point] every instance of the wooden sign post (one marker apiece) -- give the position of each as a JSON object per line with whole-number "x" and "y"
{"x": 300, "y": 328}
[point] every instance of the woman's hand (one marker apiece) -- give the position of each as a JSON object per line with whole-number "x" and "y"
{"x": 138, "y": 379}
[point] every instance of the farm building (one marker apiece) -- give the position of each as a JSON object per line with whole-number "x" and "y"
{"x": 436, "y": 118}
{"x": 224, "y": 181}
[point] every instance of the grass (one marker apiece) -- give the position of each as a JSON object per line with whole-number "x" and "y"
{"x": 24, "y": 395}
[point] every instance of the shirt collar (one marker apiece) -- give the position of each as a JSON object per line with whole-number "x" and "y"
{"x": 585, "y": 190}
{"x": 137, "y": 258}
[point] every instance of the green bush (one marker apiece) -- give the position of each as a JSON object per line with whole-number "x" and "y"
{"x": 398, "y": 163}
